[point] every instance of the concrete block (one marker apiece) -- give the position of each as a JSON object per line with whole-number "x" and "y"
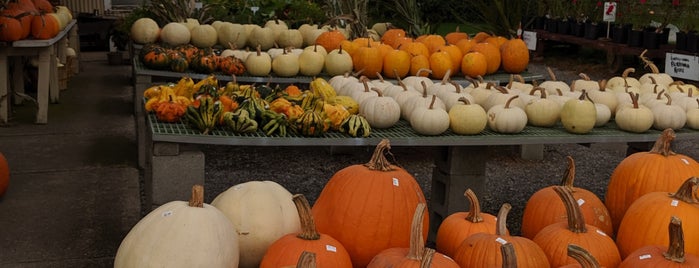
{"x": 166, "y": 149}
{"x": 461, "y": 160}
{"x": 532, "y": 151}
{"x": 173, "y": 176}
{"x": 447, "y": 195}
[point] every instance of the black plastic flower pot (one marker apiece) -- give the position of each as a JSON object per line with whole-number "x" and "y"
{"x": 681, "y": 40}
{"x": 693, "y": 42}
{"x": 651, "y": 39}
{"x": 564, "y": 27}
{"x": 635, "y": 38}
{"x": 593, "y": 31}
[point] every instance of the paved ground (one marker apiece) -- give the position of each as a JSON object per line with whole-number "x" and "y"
{"x": 74, "y": 186}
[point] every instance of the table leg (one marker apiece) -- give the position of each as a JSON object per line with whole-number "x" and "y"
{"x": 17, "y": 78}
{"x": 43, "y": 84}
{"x": 4, "y": 89}
{"x": 54, "y": 90}
{"x": 142, "y": 82}
{"x": 74, "y": 42}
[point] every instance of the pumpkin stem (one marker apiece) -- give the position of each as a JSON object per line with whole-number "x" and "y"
{"x": 467, "y": 102}
{"x": 426, "y": 261}
{"x": 306, "y": 260}
{"x": 509, "y": 257}
{"x": 602, "y": 84}
{"x": 474, "y": 213}
{"x": 501, "y": 225}
{"x": 378, "y": 91}
{"x": 197, "y": 199}
{"x": 457, "y": 87}
{"x": 540, "y": 89}
{"x": 424, "y": 89}
{"x": 663, "y": 145}
{"x": 569, "y": 175}
{"x": 687, "y": 191}
{"x": 446, "y": 77}
{"x": 419, "y": 71}
{"x": 584, "y": 76}
{"x": 626, "y": 72}
{"x": 576, "y": 221}
{"x": 507, "y": 104}
{"x": 648, "y": 62}
{"x": 378, "y": 159}
{"x": 417, "y": 244}
{"x": 551, "y": 74}
{"x": 634, "y": 99}
{"x": 675, "y": 250}
{"x": 308, "y": 226}
{"x": 378, "y": 74}
{"x": 669, "y": 99}
{"x": 582, "y": 256}
{"x": 434, "y": 98}
{"x": 474, "y": 82}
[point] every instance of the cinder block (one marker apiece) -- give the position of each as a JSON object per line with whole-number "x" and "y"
{"x": 462, "y": 160}
{"x": 532, "y": 151}
{"x": 166, "y": 149}
{"x": 174, "y": 176}
{"x": 447, "y": 195}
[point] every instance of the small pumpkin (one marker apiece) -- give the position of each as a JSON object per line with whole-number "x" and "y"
{"x": 338, "y": 62}
{"x": 507, "y": 118}
{"x": 175, "y": 34}
{"x": 368, "y": 58}
{"x": 429, "y": 120}
{"x": 474, "y": 64}
{"x": 467, "y": 118}
{"x": 45, "y": 26}
{"x": 634, "y": 117}
{"x": 396, "y": 64}
{"x": 380, "y": 111}
{"x": 668, "y": 115}
{"x": 258, "y": 63}
{"x": 330, "y": 40}
{"x": 492, "y": 55}
{"x": 170, "y": 111}
{"x": 231, "y": 65}
{"x": 458, "y": 226}
{"x": 579, "y": 115}
{"x": 542, "y": 112}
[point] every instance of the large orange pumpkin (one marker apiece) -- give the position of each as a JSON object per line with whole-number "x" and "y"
{"x": 330, "y": 40}
{"x": 367, "y": 58}
{"x": 440, "y": 64}
{"x": 287, "y": 249}
{"x": 645, "y": 220}
{"x": 413, "y": 256}
{"x": 396, "y": 64}
{"x": 515, "y": 56}
{"x": 659, "y": 170}
{"x": 474, "y": 64}
{"x": 432, "y": 41}
{"x": 418, "y": 65}
{"x": 545, "y": 207}
{"x": 492, "y": 55}
{"x": 45, "y": 26}
{"x": 554, "y": 239}
{"x": 4, "y": 174}
{"x": 483, "y": 249}
{"x": 671, "y": 256}
{"x": 458, "y": 226}
{"x": 368, "y": 207}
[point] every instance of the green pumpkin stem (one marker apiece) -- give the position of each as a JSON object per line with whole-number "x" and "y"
{"x": 417, "y": 244}
{"x": 582, "y": 256}
{"x": 378, "y": 159}
{"x": 509, "y": 257}
{"x": 474, "y": 213}
{"x": 576, "y": 221}
{"x": 197, "y": 199}
{"x": 688, "y": 191}
{"x": 675, "y": 250}
{"x": 308, "y": 226}
{"x": 569, "y": 176}
{"x": 663, "y": 145}
{"x": 501, "y": 225}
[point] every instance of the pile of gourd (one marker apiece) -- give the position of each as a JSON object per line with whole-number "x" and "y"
{"x": 32, "y": 19}
{"x": 373, "y": 215}
{"x": 275, "y": 49}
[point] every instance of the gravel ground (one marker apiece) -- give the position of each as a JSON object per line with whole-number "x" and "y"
{"x": 510, "y": 178}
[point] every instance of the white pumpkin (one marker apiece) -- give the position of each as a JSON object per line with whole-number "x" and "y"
{"x": 311, "y": 61}
{"x": 232, "y": 35}
{"x": 263, "y": 37}
{"x": 579, "y": 115}
{"x": 381, "y": 83}
{"x": 380, "y": 111}
{"x": 552, "y": 85}
{"x": 604, "y": 96}
{"x": 261, "y": 213}
{"x": 190, "y": 23}
{"x": 381, "y": 27}
{"x": 517, "y": 84}
{"x": 604, "y": 114}
{"x": 290, "y": 38}
{"x": 658, "y": 77}
{"x": 542, "y": 112}
{"x": 181, "y": 234}
{"x": 258, "y": 63}
{"x": 286, "y": 64}
{"x": 507, "y": 118}
{"x": 423, "y": 100}
{"x": 204, "y": 36}
{"x": 277, "y": 26}
{"x": 338, "y": 82}
{"x": 338, "y": 62}
{"x": 619, "y": 82}
{"x": 467, "y": 118}
{"x": 693, "y": 117}
{"x": 500, "y": 96}
{"x": 481, "y": 92}
{"x": 144, "y": 31}
{"x": 584, "y": 83}
{"x": 359, "y": 95}
{"x": 415, "y": 81}
{"x": 175, "y": 34}
{"x": 668, "y": 115}
{"x": 443, "y": 85}
{"x": 305, "y": 30}
{"x": 635, "y": 117}
{"x": 451, "y": 95}
{"x": 317, "y": 48}
{"x": 429, "y": 120}
{"x": 64, "y": 14}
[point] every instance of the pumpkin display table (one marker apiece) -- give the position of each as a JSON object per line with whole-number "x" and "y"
{"x": 47, "y": 85}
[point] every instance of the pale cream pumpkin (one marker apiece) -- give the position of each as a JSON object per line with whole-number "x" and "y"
{"x": 338, "y": 62}
{"x": 263, "y": 37}
{"x": 380, "y": 111}
{"x": 415, "y": 81}
{"x": 261, "y": 213}
{"x": 553, "y": 85}
{"x": 175, "y": 34}
{"x": 204, "y": 36}
{"x": 584, "y": 83}
{"x": 306, "y": 36}
{"x": 668, "y": 115}
{"x": 467, "y": 118}
{"x": 181, "y": 234}
{"x": 451, "y": 95}
{"x": 620, "y": 82}
{"x": 635, "y": 117}
{"x": 604, "y": 114}
{"x": 507, "y": 118}
{"x": 232, "y": 34}
{"x": 579, "y": 115}
{"x": 286, "y": 64}
{"x": 659, "y": 78}
{"x": 311, "y": 61}
{"x": 290, "y": 38}
{"x": 542, "y": 112}
{"x": 338, "y": 82}
{"x": 693, "y": 117}
{"x": 144, "y": 31}
{"x": 359, "y": 95}
{"x": 423, "y": 100}
{"x": 429, "y": 120}
{"x": 500, "y": 96}
{"x": 258, "y": 63}
{"x": 606, "y": 97}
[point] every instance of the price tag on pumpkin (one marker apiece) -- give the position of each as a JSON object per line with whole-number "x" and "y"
{"x": 395, "y": 182}
{"x": 644, "y": 256}
{"x": 331, "y": 248}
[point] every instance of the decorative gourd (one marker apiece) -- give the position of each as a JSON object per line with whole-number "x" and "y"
{"x": 467, "y": 118}
{"x": 458, "y": 226}
{"x": 544, "y": 207}
{"x": 413, "y": 255}
{"x": 338, "y": 62}
{"x": 668, "y": 115}
{"x": 366, "y": 230}
{"x": 658, "y": 170}
{"x": 507, "y": 118}
{"x": 635, "y": 118}
{"x": 554, "y": 239}
{"x": 582, "y": 256}
{"x": 261, "y": 213}
{"x": 4, "y": 174}
{"x": 660, "y": 78}
{"x": 474, "y": 64}
{"x": 287, "y": 249}
{"x": 380, "y": 111}
{"x": 429, "y": 120}
{"x": 258, "y": 63}
{"x": 144, "y": 31}
{"x": 181, "y": 234}
{"x": 286, "y": 64}
{"x": 483, "y": 249}
{"x": 672, "y": 255}
{"x": 170, "y": 111}
{"x": 579, "y": 115}
{"x": 648, "y": 214}
{"x": 515, "y": 56}
{"x": 175, "y": 34}
{"x": 542, "y": 112}
{"x": 204, "y": 35}
{"x": 312, "y": 61}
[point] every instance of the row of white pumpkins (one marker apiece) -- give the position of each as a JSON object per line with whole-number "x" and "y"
{"x": 433, "y": 108}
{"x": 287, "y": 62}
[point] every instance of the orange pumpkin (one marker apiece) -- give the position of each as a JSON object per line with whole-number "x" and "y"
{"x": 415, "y": 48}
{"x": 349, "y": 46}
{"x": 368, "y": 59}
{"x": 647, "y": 216}
{"x": 554, "y": 239}
{"x": 480, "y": 37}
{"x": 483, "y": 249}
{"x": 496, "y": 40}
{"x": 432, "y": 41}
{"x": 391, "y": 36}
{"x": 418, "y": 65}
{"x": 455, "y": 55}
{"x": 330, "y": 40}
{"x": 659, "y": 170}
{"x": 440, "y": 64}
{"x": 10, "y": 28}
{"x": 412, "y": 256}
{"x": 4, "y": 174}
{"x": 474, "y": 64}
{"x": 455, "y": 36}
{"x": 458, "y": 226}
{"x": 545, "y": 207}
{"x": 368, "y": 208}
{"x": 465, "y": 45}
{"x": 515, "y": 56}
{"x": 396, "y": 64}
{"x": 670, "y": 256}
{"x": 492, "y": 55}
{"x": 43, "y": 6}
{"x": 287, "y": 249}
{"x": 45, "y": 26}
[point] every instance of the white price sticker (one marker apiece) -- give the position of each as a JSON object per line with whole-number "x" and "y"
{"x": 581, "y": 202}
{"x": 674, "y": 202}
{"x": 395, "y": 182}
{"x": 600, "y": 232}
{"x": 167, "y": 213}
{"x": 331, "y": 248}
{"x": 501, "y": 240}
{"x": 644, "y": 256}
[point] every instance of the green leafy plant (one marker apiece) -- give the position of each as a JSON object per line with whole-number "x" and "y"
{"x": 501, "y": 17}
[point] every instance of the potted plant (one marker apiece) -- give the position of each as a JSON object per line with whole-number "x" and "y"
{"x": 594, "y": 27}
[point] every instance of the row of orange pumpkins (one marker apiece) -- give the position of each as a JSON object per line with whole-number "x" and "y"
{"x": 372, "y": 215}
{"x": 35, "y": 19}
